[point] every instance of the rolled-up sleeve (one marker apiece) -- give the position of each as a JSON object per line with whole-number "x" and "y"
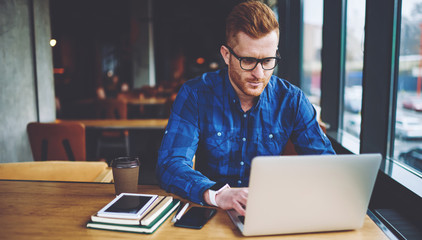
{"x": 174, "y": 165}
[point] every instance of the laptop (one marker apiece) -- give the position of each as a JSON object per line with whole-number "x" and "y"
{"x": 302, "y": 194}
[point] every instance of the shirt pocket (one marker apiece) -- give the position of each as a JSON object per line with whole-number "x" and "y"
{"x": 217, "y": 145}
{"x": 271, "y": 142}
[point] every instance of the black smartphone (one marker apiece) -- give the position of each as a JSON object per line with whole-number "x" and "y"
{"x": 196, "y": 217}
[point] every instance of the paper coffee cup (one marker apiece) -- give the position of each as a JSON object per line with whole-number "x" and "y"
{"x": 125, "y": 174}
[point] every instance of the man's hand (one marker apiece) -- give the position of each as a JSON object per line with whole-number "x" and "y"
{"x": 231, "y": 198}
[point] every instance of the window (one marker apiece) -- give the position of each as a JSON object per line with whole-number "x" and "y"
{"x": 353, "y": 74}
{"x": 408, "y": 126}
{"x": 312, "y": 44}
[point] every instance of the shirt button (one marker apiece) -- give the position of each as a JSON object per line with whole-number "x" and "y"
{"x": 219, "y": 134}
{"x": 239, "y": 182}
{"x": 242, "y": 163}
{"x": 234, "y": 100}
{"x": 244, "y": 115}
{"x": 244, "y": 139}
{"x": 166, "y": 132}
{"x": 270, "y": 136}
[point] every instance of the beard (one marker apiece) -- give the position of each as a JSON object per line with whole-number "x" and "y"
{"x": 248, "y": 85}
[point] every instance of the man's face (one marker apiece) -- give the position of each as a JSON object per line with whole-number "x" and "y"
{"x": 249, "y": 84}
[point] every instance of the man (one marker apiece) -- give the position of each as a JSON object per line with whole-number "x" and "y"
{"x": 226, "y": 118}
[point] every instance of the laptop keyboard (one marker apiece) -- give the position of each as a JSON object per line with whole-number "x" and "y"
{"x": 242, "y": 219}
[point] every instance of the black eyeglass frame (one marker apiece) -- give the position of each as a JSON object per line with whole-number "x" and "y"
{"x": 257, "y": 60}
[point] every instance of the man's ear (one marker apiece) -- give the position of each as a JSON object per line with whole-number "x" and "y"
{"x": 225, "y": 54}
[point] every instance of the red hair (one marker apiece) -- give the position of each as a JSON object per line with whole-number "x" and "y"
{"x": 254, "y": 18}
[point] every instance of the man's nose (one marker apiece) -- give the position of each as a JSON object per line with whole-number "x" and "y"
{"x": 258, "y": 71}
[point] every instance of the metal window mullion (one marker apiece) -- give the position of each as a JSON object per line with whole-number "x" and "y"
{"x": 333, "y": 63}
{"x": 382, "y": 31}
{"x": 291, "y": 37}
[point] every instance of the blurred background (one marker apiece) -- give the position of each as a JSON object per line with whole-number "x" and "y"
{"x": 62, "y": 59}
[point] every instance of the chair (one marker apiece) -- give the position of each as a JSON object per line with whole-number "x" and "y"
{"x": 127, "y": 96}
{"x": 112, "y": 109}
{"x": 57, "y": 171}
{"x": 57, "y": 141}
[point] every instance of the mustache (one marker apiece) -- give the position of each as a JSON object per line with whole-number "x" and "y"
{"x": 256, "y": 80}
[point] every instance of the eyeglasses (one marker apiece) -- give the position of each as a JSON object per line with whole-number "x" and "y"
{"x": 250, "y": 63}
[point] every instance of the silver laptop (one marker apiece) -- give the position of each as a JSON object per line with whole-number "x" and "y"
{"x": 301, "y": 194}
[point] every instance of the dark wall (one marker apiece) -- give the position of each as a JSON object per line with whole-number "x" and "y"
{"x": 189, "y": 29}
{"x": 184, "y": 31}
{"x": 84, "y": 30}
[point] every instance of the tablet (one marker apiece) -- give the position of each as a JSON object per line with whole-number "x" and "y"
{"x": 127, "y": 205}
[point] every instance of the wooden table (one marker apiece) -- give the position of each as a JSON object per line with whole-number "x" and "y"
{"x": 60, "y": 210}
{"x": 147, "y": 101}
{"x": 121, "y": 124}
{"x": 131, "y": 100}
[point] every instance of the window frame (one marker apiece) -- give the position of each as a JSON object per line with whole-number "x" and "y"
{"x": 397, "y": 189}
{"x": 382, "y": 44}
{"x": 379, "y": 110}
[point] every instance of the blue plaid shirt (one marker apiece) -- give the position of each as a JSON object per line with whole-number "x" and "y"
{"x": 207, "y": 121}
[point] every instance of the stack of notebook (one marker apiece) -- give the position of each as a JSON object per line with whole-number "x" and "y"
{"x": 148, "y": 222}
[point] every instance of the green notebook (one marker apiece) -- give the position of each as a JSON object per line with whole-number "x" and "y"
{"x": 138, "y": 228}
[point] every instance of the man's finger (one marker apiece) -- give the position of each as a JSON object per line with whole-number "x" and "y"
{"x": 242, "y": 197}
{"x": 239, "y": 208}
